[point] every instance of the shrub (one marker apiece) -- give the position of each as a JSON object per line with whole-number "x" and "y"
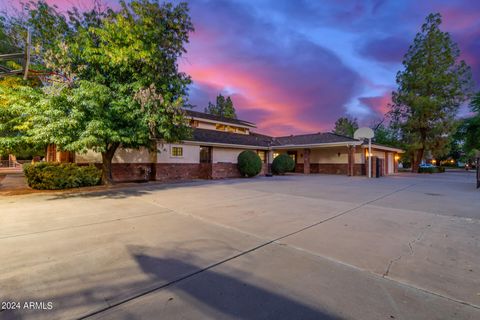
{"x": 431, "y": 170}
{"x": 52, "y": 176}
{"x": 282, "y": 163}
{"x": 249, "y": 163}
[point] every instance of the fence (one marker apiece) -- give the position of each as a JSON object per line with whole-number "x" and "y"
{"x": 9, "y": 164}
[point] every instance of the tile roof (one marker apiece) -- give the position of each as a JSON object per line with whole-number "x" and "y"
{"x": 202, "y": 115}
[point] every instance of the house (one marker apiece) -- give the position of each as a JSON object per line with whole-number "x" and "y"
{"x": 212, "y": 151}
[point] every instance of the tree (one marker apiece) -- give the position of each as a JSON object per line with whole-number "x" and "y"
{"x": 117, "y": 80}
{"x": 223, "y": 107}
{"x": 432, "y": 86}
{"x": 472, "y": 130}
{"x": 345, "y": 126}
{"x": 18, "y": 98}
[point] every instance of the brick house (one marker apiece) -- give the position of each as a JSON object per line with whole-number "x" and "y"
{"x": 212, "y": 151}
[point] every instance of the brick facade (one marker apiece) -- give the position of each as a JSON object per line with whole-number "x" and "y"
{"x": 223, "y": 170}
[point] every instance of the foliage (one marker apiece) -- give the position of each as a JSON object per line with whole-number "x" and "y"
{"x": 431, "y": 170}
{"x": 249, "y": 163}
{"x": 282, "y": 163}
{"x": 385, "y": 134}
{"x": 18, "y": 100}
{"x": 117, "y": 81}
{"x": 432, "y": 86}
{"x": 345, "y": 126}
{"x": 472, "y": 126}
{"x": 50, "y": 176}
{"x": 223, "y": 108}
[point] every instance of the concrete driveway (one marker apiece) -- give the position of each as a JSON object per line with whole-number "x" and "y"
{"x": 292, "y": 247}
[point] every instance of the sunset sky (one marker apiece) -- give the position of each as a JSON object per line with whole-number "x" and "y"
{"x": 295, "y": 66}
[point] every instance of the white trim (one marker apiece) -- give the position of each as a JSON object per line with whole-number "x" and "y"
{"x": 318, "y": 145}
{"x": 224, "y": 123}
{"x": 376, "y": 146}
{"x": 235, "y": 146}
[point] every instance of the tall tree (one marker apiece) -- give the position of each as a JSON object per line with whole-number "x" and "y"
{"x": 119, "y": 81}
{"x": 431, "y": 88}
{"x": 223, "y": 107}
{"x": 472, "y": 128}
{"x": 345, "y": 126}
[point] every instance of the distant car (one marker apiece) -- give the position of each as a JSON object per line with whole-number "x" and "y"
{"x": 427, "y": 165}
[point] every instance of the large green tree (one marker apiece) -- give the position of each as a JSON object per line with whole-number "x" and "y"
{"x": 471, "y": 129}
{"x": 345, "y": 126}
{"x": 115, "y": 79}
{"x": 223, "y": 107}
{"x": 431, "y": 88}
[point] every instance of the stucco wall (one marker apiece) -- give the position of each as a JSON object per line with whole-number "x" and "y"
{"x": 206, "y": 125}
{"x": 329, "y": 155}
{"x": 88, "y": 157}
{"x": 225, "y": 155}
{"x": 191, "y": 153}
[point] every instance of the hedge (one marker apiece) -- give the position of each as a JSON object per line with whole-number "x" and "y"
{"x": 52, "y": 176}
{"x": 431, "y": 170}
{"x": 249, "y": 163}
{"x": 282, "y": 163}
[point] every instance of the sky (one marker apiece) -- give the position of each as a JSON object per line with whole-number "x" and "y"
{"x": 295, "y": 66}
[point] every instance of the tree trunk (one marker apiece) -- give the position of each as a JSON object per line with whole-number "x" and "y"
{"x": 417, "y": 159}
{"x": 107, "y": 157}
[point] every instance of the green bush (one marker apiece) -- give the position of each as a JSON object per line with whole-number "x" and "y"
{"x": 52, "y": 176}
{"x": 431, "y": 170}
{"x": 282, "y": 163}
{"x": 249, "y": 163}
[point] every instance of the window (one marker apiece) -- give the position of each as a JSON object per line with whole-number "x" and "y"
{"x": 241, "y": 130}
{"x": 263, "y": 155}
{"x": 205, "y": 155}
{"x": 177, "y": 152}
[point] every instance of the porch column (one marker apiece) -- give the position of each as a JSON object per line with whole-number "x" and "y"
{"x": 395, "y": 162}
{"x": 306, "y": 161}
{"x": 386, "y": 163}
{"x": 351, "y": 161}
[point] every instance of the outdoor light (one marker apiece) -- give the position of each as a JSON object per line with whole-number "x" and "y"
{"x": 397, "y": 158}
{"x": 452, "y": 161}
{"x": 338, "y": 154}
{"x": 434, "y": 161}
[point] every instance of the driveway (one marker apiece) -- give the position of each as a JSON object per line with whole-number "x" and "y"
{"x": 291, "y": 247}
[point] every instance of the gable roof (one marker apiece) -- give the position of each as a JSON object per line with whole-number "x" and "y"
{"x": 211, "y": 117}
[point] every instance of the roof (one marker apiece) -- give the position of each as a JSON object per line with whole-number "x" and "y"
{"x": 222, "y": 137}
{"x": 202, "y": 115}
{"x": 382, "y": 147}
{"x": 313, "y": 138}
{"x": 264, "y": 141}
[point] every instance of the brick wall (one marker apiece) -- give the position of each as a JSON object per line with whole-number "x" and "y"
{"x": 182, "y": 171}
{"x": 329, "y": 168}
{"x": 131, "y": 171}
{"x": 223, "y": 170}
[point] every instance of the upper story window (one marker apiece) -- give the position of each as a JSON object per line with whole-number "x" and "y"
{"x": 177, "y": 152}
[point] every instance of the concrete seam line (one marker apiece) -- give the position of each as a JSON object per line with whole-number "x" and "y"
{"x": 375, "y": 275}
{"x": 108, "y": 307}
